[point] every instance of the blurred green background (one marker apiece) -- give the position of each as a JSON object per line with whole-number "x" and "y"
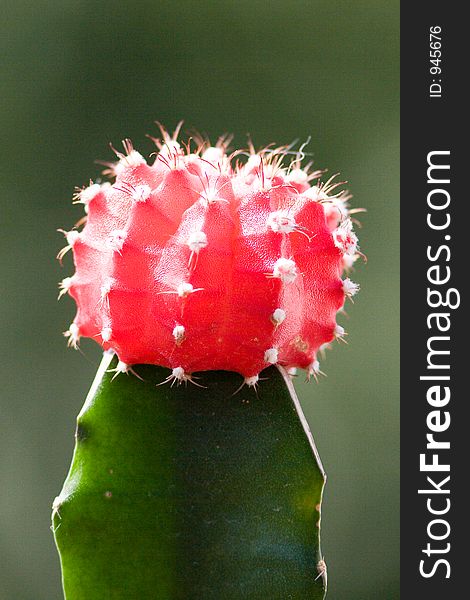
{"x": 78, "y": 74}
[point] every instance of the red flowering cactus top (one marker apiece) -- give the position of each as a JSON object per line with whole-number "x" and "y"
{"x": 205, "y": 260}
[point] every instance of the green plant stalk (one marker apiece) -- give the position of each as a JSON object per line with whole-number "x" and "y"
{"x": 191, "y": 492}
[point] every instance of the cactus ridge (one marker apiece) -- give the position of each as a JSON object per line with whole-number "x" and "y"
{"x": 206, "y": 260}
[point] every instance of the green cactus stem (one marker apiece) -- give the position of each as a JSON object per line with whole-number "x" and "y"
{"x": 191, "y": 493}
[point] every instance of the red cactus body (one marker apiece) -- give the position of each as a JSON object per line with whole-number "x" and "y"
{"x": 196, "y": 263}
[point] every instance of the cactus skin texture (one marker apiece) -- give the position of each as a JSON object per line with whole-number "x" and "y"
{"x": 197, "y": 496}
{"x": 199, "y": 262}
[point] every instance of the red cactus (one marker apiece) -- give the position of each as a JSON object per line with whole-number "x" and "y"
{"x": 197, "y": 263}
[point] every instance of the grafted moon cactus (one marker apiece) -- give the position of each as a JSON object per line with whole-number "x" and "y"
{"x": 201, "y": 261}
{"x": 196, "y": 264}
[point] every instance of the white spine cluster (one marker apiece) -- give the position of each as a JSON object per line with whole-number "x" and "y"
{"x": 350, "y": 288}
{"x": 65, "y": 285}
{"x": 86, "y": 195}
{"x": 278, "y": 316}
{"x": 197, "y": 240}
{"x": 106, "y": 334}
{"x": 339, "y": 331}
{"x": 285, "y": 269}
{"x": 73, "y": 335}
{"x": 72, "y": 237}
{"x": 298, "y": 176}
{"x": 252, "y": 381}
{"x": 345, "y": 239}
{"x": 282, "y": 222}
{"x": 184, "y": 290}
{"x": 271, "y": 356}
{"x": 133, "y": 159}
{"x": 141, "y": 193}
{"x": 116, "y": 240}
{"x": 179, "y": 334}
